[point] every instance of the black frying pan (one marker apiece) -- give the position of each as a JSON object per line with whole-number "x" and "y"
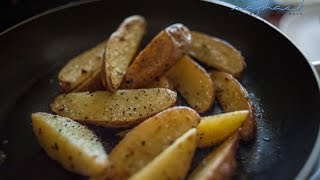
{"x": 281, "y": 83}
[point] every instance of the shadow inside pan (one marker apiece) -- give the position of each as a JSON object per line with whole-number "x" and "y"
{"x": 278, "y": 79}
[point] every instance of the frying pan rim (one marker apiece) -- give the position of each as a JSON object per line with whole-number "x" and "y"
{"x": 313, "y": 157}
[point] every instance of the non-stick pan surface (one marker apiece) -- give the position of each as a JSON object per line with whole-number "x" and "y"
{"x": 278, "y": 78}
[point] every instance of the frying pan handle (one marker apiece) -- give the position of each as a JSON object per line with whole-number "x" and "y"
{"x": 316, "y": 64}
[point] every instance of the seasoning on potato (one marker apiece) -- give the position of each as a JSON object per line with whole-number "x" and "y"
{"x": 160, "y": 54}
{"x": 232, "y": 96}
{"x": 173, "y": 163}
{"x": 147, "y": 140}
{"x": 220, "y": 163}
{"x": 194, "y": 84}
{"x": 120, "y": 50}
{"x": 123, "y": 108}
{"x": 217, "y": 53}
{"x": 73, "y": 145}
{"x": 81, "y": 69}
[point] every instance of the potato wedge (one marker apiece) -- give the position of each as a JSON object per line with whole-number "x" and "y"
{"x": 217, "y": 53}
{"x": 194, "y": 84}
{"x": 220, "y": 164}
{"x": 233, "y": 97}
{"x": 216, "y": 128}
{"x": 80, "y": 68}
{"x": 159, "y": 55}
{"x": 162, "y": 82}
{"x": 173, "y": 162}
{"x": 147, "y": 140}
{"x": 93, "y": 83}
{"x": 123, "y": 108}
{"x": 73, "y": 145}
{"x": 120, "y": 50}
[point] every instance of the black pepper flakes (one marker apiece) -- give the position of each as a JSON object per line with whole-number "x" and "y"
{"x": 39, "y": 131}
{"x": 55, "y": 146}
{"x": 61, "y": 109}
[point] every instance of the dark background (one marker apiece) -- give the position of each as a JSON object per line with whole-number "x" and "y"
{"x": 15, "y": 11}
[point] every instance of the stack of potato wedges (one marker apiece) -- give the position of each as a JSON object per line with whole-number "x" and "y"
{"x": 118, "y": 86}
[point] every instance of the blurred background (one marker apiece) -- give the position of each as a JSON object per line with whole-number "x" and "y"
{"x": 303, "y": 27}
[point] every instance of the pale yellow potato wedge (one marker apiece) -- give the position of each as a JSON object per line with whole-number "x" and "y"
{"x": 173, "y": 162}
{"x": 217, "y": 53}
{"x": 220, "y": 164}
{"x": 73, "y": 145}
{"x": 123, "y": 108}
{"x": 81, "y": 68}
{"x": 194, "y": 84}
{"x": 232, "y": 96}
{"x": 212, "y": 130}
{"x": 147, "y": 140}
{"x": 120, "y": 50}
{"x": 158, "y": 56}
{"x": 162, "y": 82}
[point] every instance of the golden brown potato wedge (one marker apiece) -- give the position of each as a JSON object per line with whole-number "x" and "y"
{"x": 220, "y": 164}
{"x": 214, "y": 129}
{"x": 120, "y": 109}
{"x": 93, "y": 83}
{"x": 162, "y": 82}
{"x": 233, "y": 97}
{"x": 73, "y": 145}
{"x": 159, "y": 55}
{"x": 217, "y": 53}
{"x": 173, "y": 162}
{"x": 147, "y": 140}
{"x": 194, "y": 84}
{"x": 120, "y": 50}
{"x": 81, "y": 68}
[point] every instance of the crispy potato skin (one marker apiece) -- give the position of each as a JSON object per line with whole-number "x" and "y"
{"x": 73, "y": 145}
{"x": 120, "y": 50}
{"x": 194, "y": 84}
{"x": 80, "y": 68}
{"x": 217, "y": 53}
{"x": 173, "y": 163}
{"x": 159, "y": 55}
{"x": 214, "y": 129}
{"x": 123, "y": 108}
{"x": 220, "y": 164}
{"x": 232, "y": 96}
{"x": 147, "y": 140}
